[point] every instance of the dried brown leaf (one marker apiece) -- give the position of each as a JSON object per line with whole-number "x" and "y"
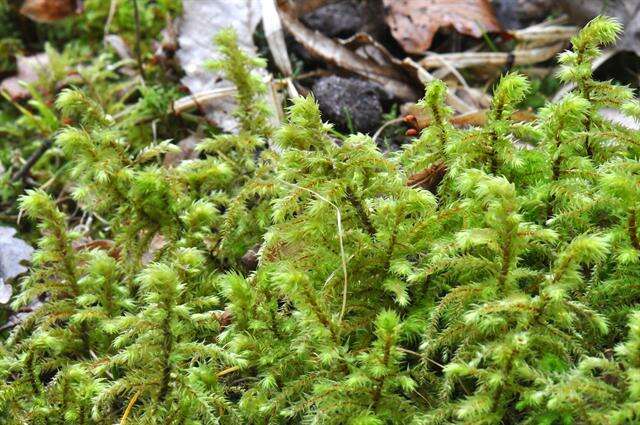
{"x": 29, "y": 68}
{"x": 187, "y": 151}
{"x": 429, "y": 178}
{"x": 49, "y": 10}
{"x": 414, "y": 23}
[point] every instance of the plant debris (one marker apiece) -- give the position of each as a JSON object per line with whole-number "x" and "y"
{"x": 414, "y": 23}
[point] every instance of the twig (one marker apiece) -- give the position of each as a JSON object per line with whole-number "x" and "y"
{"x": 470, "y": 59}
{"x": 20, "y": 174}
{"x": 136, "y": 15}
{"x": 127, "y": 411}
{"x": 113, "y": 6}
{"x": 185, "y": 103}
{"x": 539, "y": 35}
{"x": 426, "y": 77}
{"x": 385, "y": 125}
{"x": 275, "y": 37}
{"x": 452, "y": 70}
{"x": 227, "y": 371}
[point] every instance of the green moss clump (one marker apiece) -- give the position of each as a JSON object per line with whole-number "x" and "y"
{"x": 505, "y": 294}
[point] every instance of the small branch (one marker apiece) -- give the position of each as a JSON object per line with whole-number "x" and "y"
{"x": 633, "y": 229}
{"x": 20, "y": 174}
{"x": 426, "y": 77}
{"x": 385, "y": 125}
{"x": 360, "y": 210}
{"x": 497, "y": 59}
{"x": 136, "y": 15}
{"x": 127, "y": 411}
{"x": 113, "y": 6}
{"x": 227, "y": 371}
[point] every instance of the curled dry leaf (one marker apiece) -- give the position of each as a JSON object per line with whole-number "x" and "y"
{"x": 413, "y": 23}
{"x": 429, "y": 178}
{"x": 50, "y": 10}
{"x": 187, "y": 151}
{"x": 30, "y": 68}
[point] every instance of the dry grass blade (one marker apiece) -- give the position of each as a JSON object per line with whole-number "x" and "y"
{"x": 471, "y": 59}
{"x": 275, "y": 37}
{"x": 539, "y": 35}
{"x": 425, "y": 77}
{"x": 473, "y": 118}
{"x": 127, "y": 411}
{"x": 188, "y": 102}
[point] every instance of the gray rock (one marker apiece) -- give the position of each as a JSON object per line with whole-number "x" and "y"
{"x": 515, "y": 14}
{"x": 13, "y": 252}
{"x": 350, "y": 102}
{"x": 341, "y": 19}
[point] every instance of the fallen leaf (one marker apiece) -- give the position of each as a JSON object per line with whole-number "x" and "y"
{"x": 29, "y": 68}
{"x": 49, "y": 10}
{"x": 414, "y": 23}
{"x": 201, "y": 21}
{"x": 157, "y": 243}
{"x": 187, "y": 151}
{"x": 429, "y": 178}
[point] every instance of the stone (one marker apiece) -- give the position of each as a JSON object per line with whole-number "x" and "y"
{"x": 341, "y": 19}
{"x": 350, "y": 103}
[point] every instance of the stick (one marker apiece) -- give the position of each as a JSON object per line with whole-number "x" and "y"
{"x": 112, "y": 12}
{"x": 468, "y": 59}
{"x": 136, "y": 15}
{"x": 20, "y": 174}
{"x": 425, "y": 77}
{"x": 127, "y": 411}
